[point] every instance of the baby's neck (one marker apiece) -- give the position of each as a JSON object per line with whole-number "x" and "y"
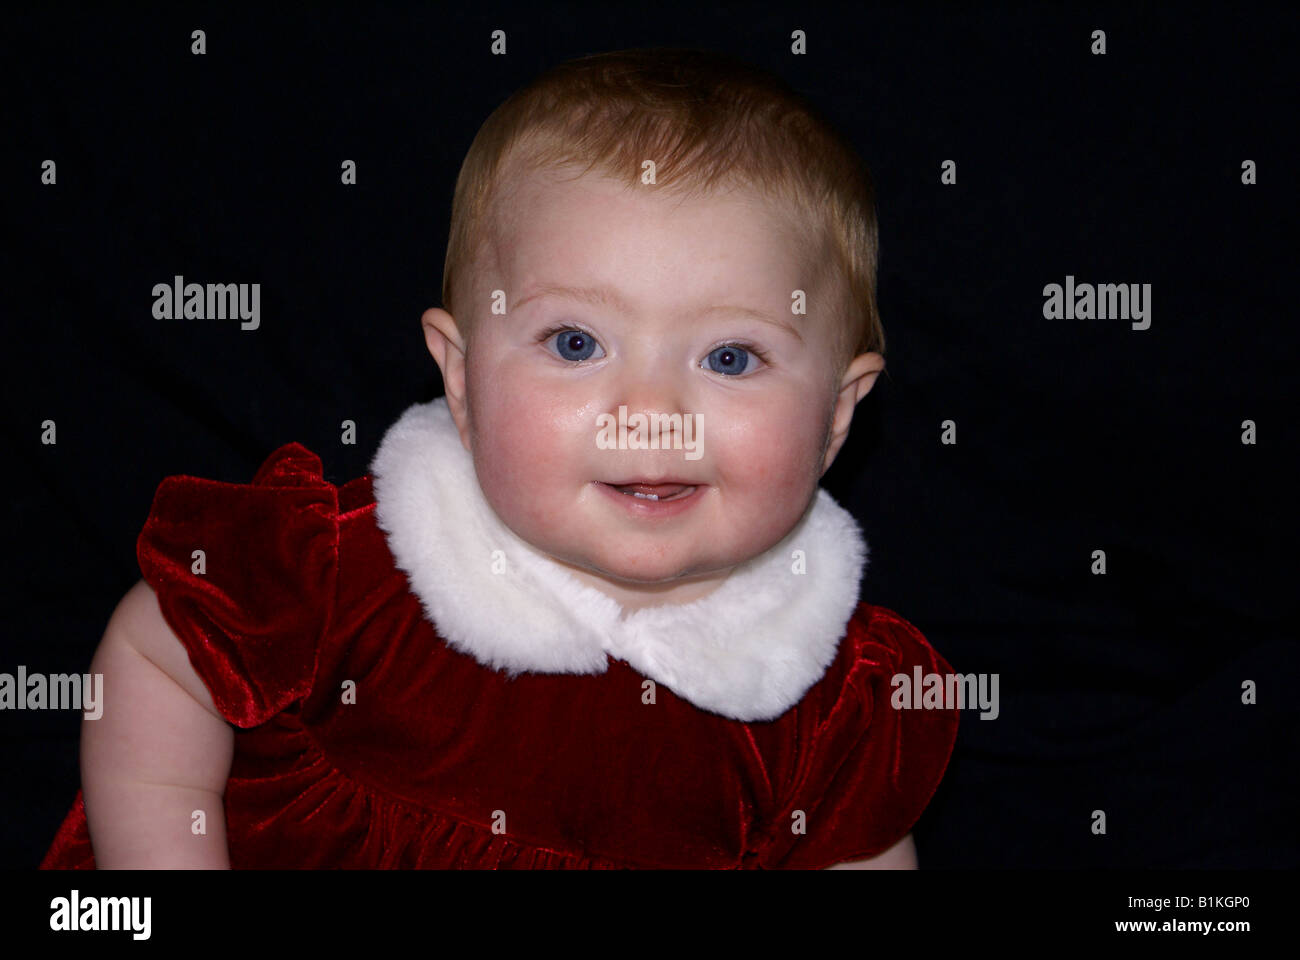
{"x": 635, "y": 596}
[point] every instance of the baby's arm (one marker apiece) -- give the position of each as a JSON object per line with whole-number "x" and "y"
{"x": 159, "y": 752}
{"x": 901, "y": 856}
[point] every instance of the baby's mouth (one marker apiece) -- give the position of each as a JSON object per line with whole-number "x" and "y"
{"x": 654, "y": 491}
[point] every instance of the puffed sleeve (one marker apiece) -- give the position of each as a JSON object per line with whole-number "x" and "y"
{"x": 873, "y": 766}
{"x": 252, "y": 607}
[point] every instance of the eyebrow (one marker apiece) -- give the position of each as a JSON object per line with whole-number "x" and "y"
{"x": 603, "y": 296}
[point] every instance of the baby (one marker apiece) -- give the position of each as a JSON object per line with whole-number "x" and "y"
{"x": 527, "y": 639}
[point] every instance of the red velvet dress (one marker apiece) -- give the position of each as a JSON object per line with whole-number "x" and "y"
{"x": 442, "y": 762}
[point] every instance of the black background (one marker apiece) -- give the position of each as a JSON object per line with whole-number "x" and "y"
{"x": 1119, "y": 693}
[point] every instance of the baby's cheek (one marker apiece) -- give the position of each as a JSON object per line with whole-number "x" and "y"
{"x": 770, "y": 475}
{"x": 778, "y": 482}
{"x": 775, "y": 450}
{"x": 525, "y": 466}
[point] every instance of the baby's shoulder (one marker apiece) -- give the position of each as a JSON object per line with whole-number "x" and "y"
{"x": 875, "y": 633}
{"x": 880, "y": 651}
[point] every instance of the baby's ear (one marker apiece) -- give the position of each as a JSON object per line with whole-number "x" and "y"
{"x": 447, "y": 347}
{"x": 856, "y": 383}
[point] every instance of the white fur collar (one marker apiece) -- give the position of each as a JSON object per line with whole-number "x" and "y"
{"x": 749, "y": 650}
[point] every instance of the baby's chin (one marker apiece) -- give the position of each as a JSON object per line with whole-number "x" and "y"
{"x": 641, "y": 572}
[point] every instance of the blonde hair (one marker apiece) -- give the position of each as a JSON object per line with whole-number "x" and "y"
{"x": 709, "y": 122}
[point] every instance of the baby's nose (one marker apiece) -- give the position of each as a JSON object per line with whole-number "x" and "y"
{"x": 648, "y": 395}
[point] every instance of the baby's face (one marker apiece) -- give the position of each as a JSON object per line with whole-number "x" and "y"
{"x": 680, "y": 330}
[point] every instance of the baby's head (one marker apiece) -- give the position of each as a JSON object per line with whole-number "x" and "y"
{"x": 666, "y": 232}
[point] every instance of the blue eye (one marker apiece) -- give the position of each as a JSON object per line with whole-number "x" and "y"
{"x": 574, "y": 345}
{"x": 728, "y": 359}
